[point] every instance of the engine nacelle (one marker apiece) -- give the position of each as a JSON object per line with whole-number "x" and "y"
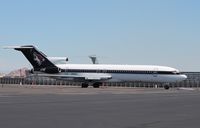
{"x": 58, "y": 59}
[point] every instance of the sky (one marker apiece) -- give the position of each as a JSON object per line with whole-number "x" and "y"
{"x": 140, "y": 32}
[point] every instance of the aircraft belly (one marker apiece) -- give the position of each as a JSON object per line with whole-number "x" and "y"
{"x": 115, "y": 77}
{"x": 131, "y": 77}
{"x": 144, "y": 78}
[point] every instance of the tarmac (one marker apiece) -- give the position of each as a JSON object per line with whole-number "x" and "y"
{"x": 107, "y": 107}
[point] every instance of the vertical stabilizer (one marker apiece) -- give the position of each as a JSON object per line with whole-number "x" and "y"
{"x": 37, "y": 59}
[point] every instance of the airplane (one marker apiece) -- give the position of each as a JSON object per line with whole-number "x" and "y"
{"x": 96, "y": 74}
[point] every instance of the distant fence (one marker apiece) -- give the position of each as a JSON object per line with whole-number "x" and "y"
{"x": 35, "y": 81}
{"x": 190, "y": 82}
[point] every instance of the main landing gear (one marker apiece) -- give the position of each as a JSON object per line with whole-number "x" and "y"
{"x": 95, "y": 85}
{"x": 84, "y": 85}
{"x": 166, "y": 86}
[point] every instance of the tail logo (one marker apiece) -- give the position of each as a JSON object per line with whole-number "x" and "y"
{"x": 38, "y": 58}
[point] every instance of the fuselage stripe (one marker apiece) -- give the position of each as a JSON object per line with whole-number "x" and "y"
{"x": 119, "y": 71}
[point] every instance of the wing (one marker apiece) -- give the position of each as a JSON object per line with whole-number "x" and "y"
{"x": 81, "y": 77}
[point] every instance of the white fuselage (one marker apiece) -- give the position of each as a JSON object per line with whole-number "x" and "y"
{"x": 120, "y": 73}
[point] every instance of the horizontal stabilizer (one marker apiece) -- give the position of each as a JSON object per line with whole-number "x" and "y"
{"x": 17, "y": 47}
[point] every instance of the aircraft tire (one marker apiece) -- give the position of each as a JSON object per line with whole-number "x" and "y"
{"x": 166, "y": 87}
{"x": 84, "y": 85}
{"x": 96, "y": 85}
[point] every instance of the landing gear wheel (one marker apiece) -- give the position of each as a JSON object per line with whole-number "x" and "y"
{"x": 166, "y": 87}
{"x": 84, "y": 85}
{"x": 96, "y": 85}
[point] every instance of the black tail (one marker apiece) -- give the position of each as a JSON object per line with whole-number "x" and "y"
{"x": 38, "y": 60}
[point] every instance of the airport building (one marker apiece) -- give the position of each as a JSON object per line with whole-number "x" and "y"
{"x": 193, "y": 80}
